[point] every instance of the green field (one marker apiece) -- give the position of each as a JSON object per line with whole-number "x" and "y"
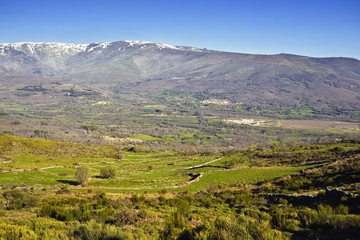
{"x": 30, "y": 162}
{"x": 241, "y": 177}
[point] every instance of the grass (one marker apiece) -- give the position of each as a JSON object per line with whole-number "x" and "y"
{"x": 137, "y": 170}
{"x": 147, "y": 171}
{"x": 241, "y": 176}
{"x": 61, "y": 170}
{"x": 142, "y": 180}
{"x": 341, "y": 131}
{"x": 31, "y": 178}
{"x": 160, "y": 177}
{"x": 144, "y": 170}
{"x": 144, "y": 137}
{"x": 32, "y": 162}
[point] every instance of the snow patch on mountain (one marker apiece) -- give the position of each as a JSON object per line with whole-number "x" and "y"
{"x": 161, "y": 45}
{"x": 30, "y": 48}
{"x": 132, "y": 43}
{"x": 39, "y": 49}
{"x": 97, "y": 46}
{"x": 145, "y": 44}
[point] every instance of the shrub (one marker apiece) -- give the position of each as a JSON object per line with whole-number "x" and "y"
{"x": 138, "y": 149}
{"x": 58, "y": 213}
{"x": 83, "y": 213}
{"x": 325, "y": 212}
{"x": 82, "y": 174}
{"x": 95, "y": 231}
{"x": 341, "y": 209}
{"x": 225, "y": 229}
{"x": 48, "y": 228}
{"x": 125, "y": 217}
{"x": 18, "y": 200}
{"x": 177, "y": 221}
{"x": 108, "y": 172}
{"x": 13, "y": 232}
{"x": 308, "y": 217}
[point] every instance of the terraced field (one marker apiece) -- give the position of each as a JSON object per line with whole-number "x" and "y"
{"x": 136, "y": 171}
{"x": 52, "y": 165}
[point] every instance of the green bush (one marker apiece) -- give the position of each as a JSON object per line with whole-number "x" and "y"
{"x": 257, "y": 229}
{"x": 125, "y": 217}
{"x": 108, "y": 172}
{"x": 13, "y": 232}
{"x": 308, "y": 217}
{"x": 227, "y": 229}
{"x": 18, "y": 200}
{"x": 82, "y": 174}
{"x": 341, "y": 209}
{"x": 48, "y": 228}
{"x": 177, "y": 221}
{"x": 326, "y": 218}
{"x": 138, "y": 149}
{"x": 95, "y": 231}
{"x": 58, "y": 213}
{"x": 83, "y": 213}
{"x": 325, "y": 212}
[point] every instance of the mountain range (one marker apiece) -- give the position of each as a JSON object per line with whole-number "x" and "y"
{"x": 281, "y": 81}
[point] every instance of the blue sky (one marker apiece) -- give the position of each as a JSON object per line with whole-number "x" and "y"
{"x": 319, "y": 28}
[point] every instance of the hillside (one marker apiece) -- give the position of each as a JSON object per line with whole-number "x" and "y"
{"x": 324, "y": 85}
{"x": 306, "y": 191}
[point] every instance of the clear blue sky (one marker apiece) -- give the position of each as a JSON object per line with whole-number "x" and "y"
{"x": 318, "y": 28}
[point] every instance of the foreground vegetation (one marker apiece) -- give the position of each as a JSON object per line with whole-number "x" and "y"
{"x": 204, "y": 215}
{"x": 61, "y": 190}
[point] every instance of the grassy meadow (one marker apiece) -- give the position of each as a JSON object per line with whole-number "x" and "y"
{"x": 30, "y": 162}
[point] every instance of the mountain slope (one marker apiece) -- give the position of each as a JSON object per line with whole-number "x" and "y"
{"x": 265, "y": 81}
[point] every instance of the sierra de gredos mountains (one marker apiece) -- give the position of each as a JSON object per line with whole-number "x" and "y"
{"x": 268, "y": 81}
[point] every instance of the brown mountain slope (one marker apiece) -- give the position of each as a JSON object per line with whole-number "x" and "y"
{"x": 266, "y": 81}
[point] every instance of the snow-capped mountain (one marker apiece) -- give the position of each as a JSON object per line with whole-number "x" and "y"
{"x": 130, "y": 66}
{"x": 69, "y": 49}
{"x": 33, "y": 49}
{"x": 55, "y": 58}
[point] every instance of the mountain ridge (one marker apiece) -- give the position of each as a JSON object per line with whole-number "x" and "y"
{"x": 265, "y": 81}
{"x": 163, "y": 45}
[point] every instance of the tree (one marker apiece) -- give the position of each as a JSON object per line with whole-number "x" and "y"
{"x": 138, "y": 149}
{"x": 82, "y": 174}
{"x": 108, "y": 172}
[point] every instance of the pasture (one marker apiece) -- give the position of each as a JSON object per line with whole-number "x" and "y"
{"x": 26, "y": 163}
